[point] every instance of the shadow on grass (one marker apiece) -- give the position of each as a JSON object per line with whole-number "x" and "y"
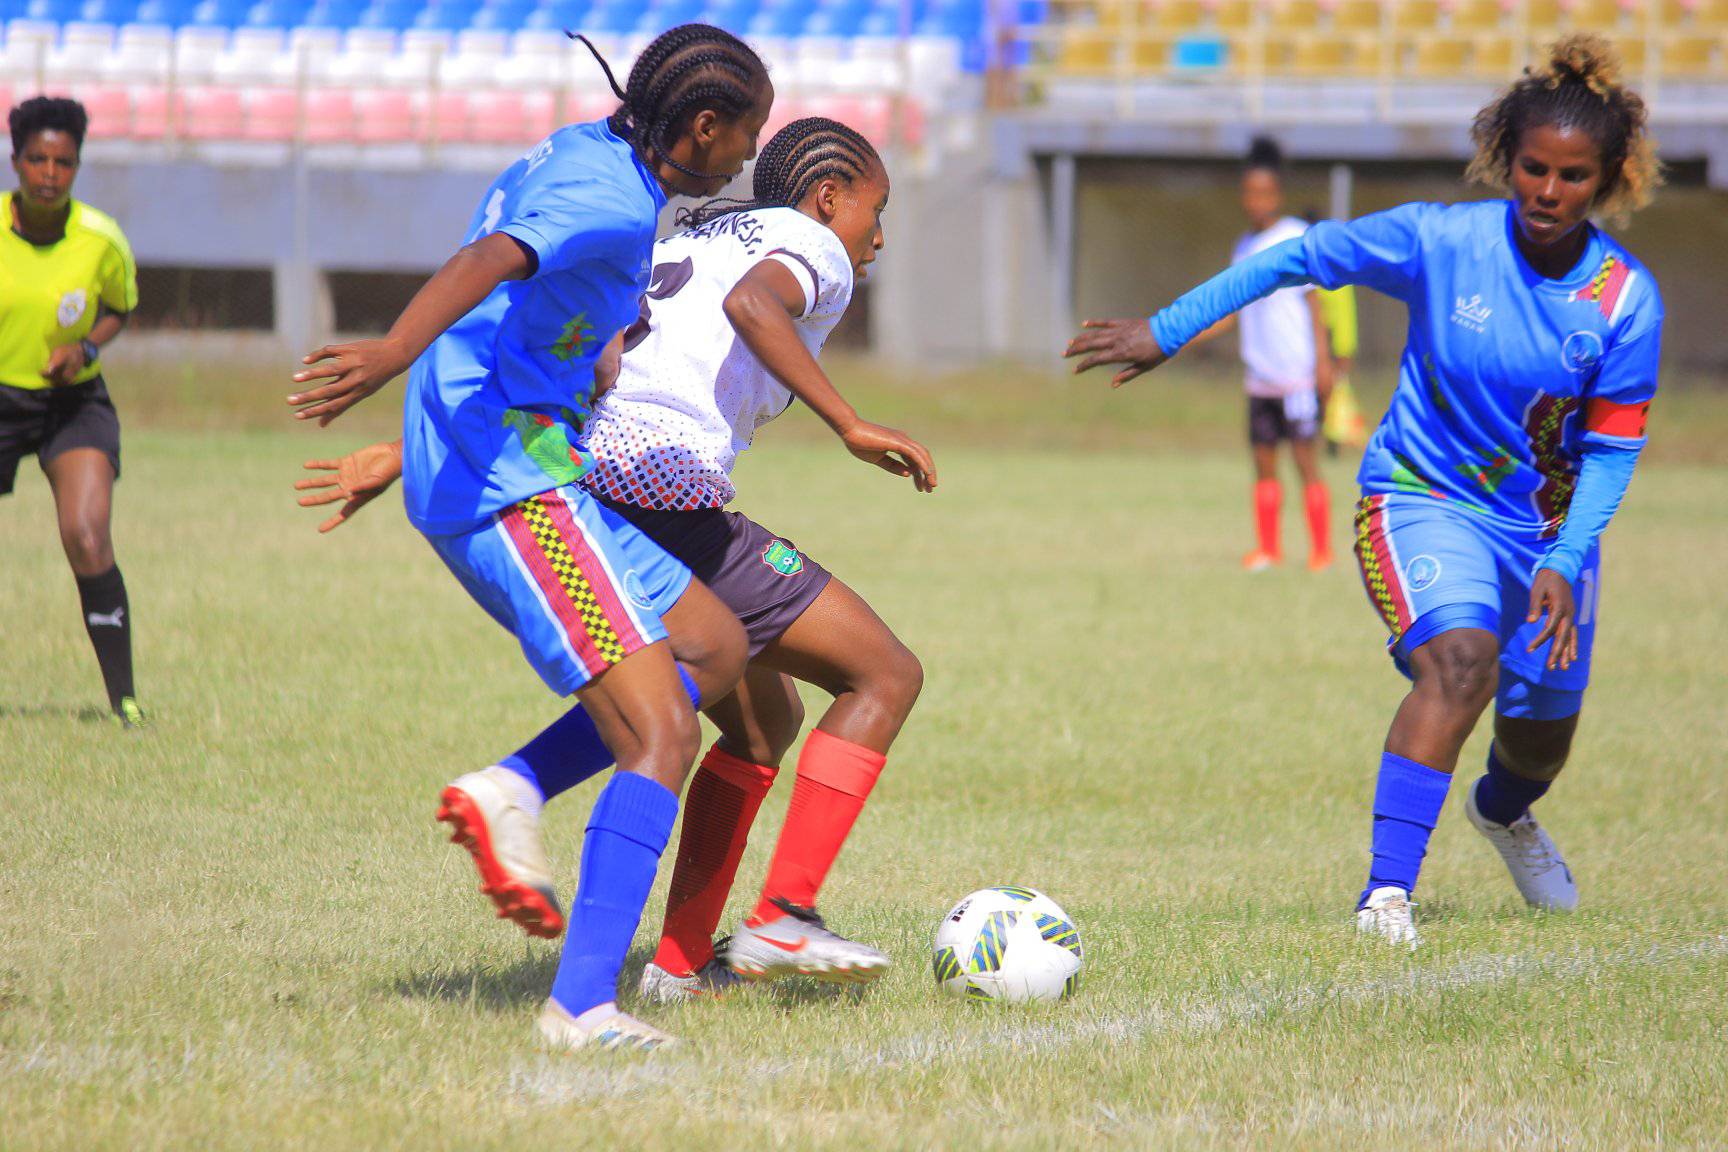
{"x": 83, "y": 713}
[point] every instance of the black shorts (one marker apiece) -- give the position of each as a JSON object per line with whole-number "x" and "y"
{"x": 762, "y": 578}
{"x": 48, "y": 421}
{"x": 1275, "y": 418}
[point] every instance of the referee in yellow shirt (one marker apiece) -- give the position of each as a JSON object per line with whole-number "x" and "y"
{"x": 67, "y": 282}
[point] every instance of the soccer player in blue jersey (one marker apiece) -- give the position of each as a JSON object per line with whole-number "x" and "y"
{"x": 503, "y": 342}
{"x": 1519, "y": 415}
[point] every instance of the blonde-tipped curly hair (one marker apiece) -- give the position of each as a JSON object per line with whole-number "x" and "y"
{"x": 1579, "y": 86}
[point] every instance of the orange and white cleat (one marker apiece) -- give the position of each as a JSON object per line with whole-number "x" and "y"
{"x": 800, "y": 944}
{"x": 1258, "y": 561}
{"x": 504, "y": 839}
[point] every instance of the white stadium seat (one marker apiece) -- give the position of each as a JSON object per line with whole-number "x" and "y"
{"x": 196, "y": 51}
{"x": 255, "y": 56}
{"x": 365, "y": 53}
{"x": 142, "y": 55}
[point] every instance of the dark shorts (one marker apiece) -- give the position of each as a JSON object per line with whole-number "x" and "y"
{"x": 1275, "y": 418}
{"x": 45, "y": 422}
{"x": 763, "y": 578}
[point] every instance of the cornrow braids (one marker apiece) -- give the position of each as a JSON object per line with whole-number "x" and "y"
{"x": 47, "y": 114}
{"x": 800, "y": 156}
{"x": 685, "y": 70}
{"x": 1579, "y": 86}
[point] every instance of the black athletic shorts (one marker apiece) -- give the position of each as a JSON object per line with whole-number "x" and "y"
{"x": 763, "y": 578}
{"x": 48, "y": 421}
{"x": 1275, "y": 418}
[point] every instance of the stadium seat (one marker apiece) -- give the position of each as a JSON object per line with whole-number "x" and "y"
{"x": 1171, "y": 15}
{"x": 110, "y": 109}
{"x": 1495, "y": 56}
{"x": 1200, "y": 52}
{"x": 384, "y": 116}
{"x": 1413, "y": 15}
{"x": 149, "y": 120}
{"x": 1438, "y": 55}
{"x": 366, "y": 51}
{"x": 108, "y": 11}
{"x": 1477, "y": 16}
{"x": 272, "y": 113}
{"x": 1293, "y": 15}
{"x": 447, "y": 17}
{"x": 196, "y": 50}
{"x": 210, "y": 113}
{"x": 221, "y": 13}
{"x": 328, "y": 116}
{"x": 254, "y": 55}
{"x": 477, "y": 60}
{"x": 446, "y": 118}
{"x": 141, "y": 55}
{"x": 511, "y": 117}
{"x": 1359, "y": 15}
{"x": 416, "y": 61}
{"x": 53, "y": 11}
{"x": 167, "y": 13}
{"x": 1690, "y": 55}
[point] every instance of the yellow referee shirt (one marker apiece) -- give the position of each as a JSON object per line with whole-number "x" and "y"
{"x": 49, "y": 293}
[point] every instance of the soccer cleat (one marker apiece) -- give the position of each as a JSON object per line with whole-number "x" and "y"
{"x": 1531, "y": 856}
{"x": 1258, "y": 561}
{"x": 800, "y": 944}
{"x": 1319, "y": 562}
{"x": 711, "y": 980}
{"x": 505, "y": 843}
{"x": 614, "y": 1031}
{"x": 1386, "y": 913}
{"x": 131, "y": 714}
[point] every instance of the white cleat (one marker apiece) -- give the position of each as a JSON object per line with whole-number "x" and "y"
{"x": 1387, "y": 914}
{"x": 709, "y": 981}
{"x": 800, "y": 944}
{"x": 1531, "y": 856}
{"x": 604, "y": 1027}
{"x": 504, "y": 839}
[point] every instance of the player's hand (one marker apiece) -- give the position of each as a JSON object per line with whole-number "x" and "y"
{"x": 64, "y": 364}
{"x": 1127, "y": 342}
{"x": 892, "y": 451}
{"x": 355, "y": 371}
{"x": 1551, "y": 594}
{"x": 356, "y": 479}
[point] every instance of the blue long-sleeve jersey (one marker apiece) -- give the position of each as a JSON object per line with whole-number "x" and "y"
{"x": 1520, "y": 397}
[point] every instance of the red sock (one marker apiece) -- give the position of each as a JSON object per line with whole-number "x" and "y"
{"x": 718, "y": 811}
{"x": 834, "y": 778}
{"x": 1268, "y": 500}
{"x": 1319, "y": 502}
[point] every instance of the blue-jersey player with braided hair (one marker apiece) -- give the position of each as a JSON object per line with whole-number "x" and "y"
{"x": 1519, "y": 415}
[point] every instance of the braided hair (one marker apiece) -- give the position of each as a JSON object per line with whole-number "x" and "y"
{"x": 1579, "y": 86}
{"x": 800, "y": 156}
{"x": 685, "y": 70}
{"x": 47, "y": 114}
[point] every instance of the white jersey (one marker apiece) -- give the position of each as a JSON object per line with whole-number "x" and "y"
{"x": 690, "y": 395}
{"x": 1278, "y": 330}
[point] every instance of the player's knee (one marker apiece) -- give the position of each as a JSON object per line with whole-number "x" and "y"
{"x": 1534, "y": 758}
{"x": 898, "y": 679}
{"x": 668, "y": 738}
{"x": 776, "y": 736}
{"x": 1466, "y": 670}
{"x": 88, "y": 548}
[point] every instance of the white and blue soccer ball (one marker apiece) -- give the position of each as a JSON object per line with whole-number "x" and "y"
{"x": 1008, "y": 943}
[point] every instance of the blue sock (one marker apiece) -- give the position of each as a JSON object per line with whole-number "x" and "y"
{"x": 570, "y": 750}
{"x": 1407, "y": 800}
{"x": 1502, "y": 795}
{"x": 627, "y": 832}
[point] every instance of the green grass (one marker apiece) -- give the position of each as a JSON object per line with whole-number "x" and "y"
{"x": 242, "y": 928}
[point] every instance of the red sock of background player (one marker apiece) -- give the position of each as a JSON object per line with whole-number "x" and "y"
{"x": 722, "y": 803}
{"x": 1268, "y": 502}
{"x": 834, "y": 778}
{"x": 1319, "y": 502}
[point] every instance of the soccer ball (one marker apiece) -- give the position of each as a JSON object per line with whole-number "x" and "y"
{"x": 1008, "y": 943}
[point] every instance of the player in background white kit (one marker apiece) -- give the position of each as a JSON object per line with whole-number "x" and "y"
{"x": 737, "y": 310}
{"x": 1288, "y": 363}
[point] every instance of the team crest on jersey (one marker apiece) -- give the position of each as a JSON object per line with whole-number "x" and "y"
{"x": 1581, "y": 352}
{"x": 71, "y": 307}
{"x": 1421, "y": 572}
{"x": 783, "y": 558}
{"x": 1471, "y": 313}
{"x": 576, "y": 338}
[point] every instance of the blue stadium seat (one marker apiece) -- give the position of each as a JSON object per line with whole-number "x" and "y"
{"x": 220, "y": 13}
{"x": 108, "y": 11}
{"x": 394, "y": 15}
{"x": 670, "y": 13}
{"x": 614, "y": 17}
{"x": 1199, "y": 53}
{"x": 172, "y": 13}
{"x": 444, "y": 17}
{"x": 277, "y": 14}
{"x": 53, "y": 11}
{"x": 333, "y": 14}
{"x": 782, "y": 18}
{"x": 732, "y": 15}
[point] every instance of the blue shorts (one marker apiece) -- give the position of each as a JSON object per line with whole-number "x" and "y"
{"x": 1430, "y": 566}
{"x": 573, "y": 581}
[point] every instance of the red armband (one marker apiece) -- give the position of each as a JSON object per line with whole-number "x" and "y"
{"x": 1607, "y": 418}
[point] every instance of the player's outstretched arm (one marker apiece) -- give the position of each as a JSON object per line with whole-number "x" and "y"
{"x": 355, "y": 371}
{"x": 355, "y": 479}
{"x": 761, "y": 307}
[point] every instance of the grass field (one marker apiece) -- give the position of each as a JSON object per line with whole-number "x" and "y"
{"x": 242, "y": 928}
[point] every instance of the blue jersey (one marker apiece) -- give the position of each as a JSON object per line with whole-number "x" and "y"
{"x": 1507, "y": 377}
{"x": 496, "y": 405}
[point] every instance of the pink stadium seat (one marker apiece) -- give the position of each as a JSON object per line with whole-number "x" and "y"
{"x": 211, "y": 114}
{"x": 271, "y": 113}
{"x": 329, "y": 116}
{"x": 511, "y": 117}
{"x": 149, "y": 112}
{"x": 110, "y": 110}
{"x": 540, "y": 115}
{"x": 384, "y": 116}
{"x": 448, "y": 121}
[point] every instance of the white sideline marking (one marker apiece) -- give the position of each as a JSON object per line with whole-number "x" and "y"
{"x": 553, "y": 1079}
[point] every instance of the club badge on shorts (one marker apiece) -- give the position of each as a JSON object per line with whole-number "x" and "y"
{"x": 783, "y": 558}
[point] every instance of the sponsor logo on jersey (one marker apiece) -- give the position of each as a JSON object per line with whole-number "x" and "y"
{"x": 783, "y": 558}
{"x": 1421, "y": 573}
{"x": 71, "y": 307}
{"x": 1581, "y": 352}
{"x": 538, "y": 154}
{"x": 576, "y": 338}
{"x": 1471, "y": 313}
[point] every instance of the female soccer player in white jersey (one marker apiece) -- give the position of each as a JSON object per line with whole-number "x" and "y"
{"x": 1519, "y": 416}
{"x": 740, "y": 306}
{"x": 502, "y": 343}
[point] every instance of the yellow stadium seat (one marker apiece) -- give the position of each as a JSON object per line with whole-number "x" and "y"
{"x": 1632, "y": 54}
{"x": 1319, "y": 55}
{"x": 1440, "y": 56}
{"x": 1358, "y": 16}
{"x": 1294, "y": 15}
{"x": 1233, "y": 15}
{"x": 1711, "y": 14}
{"x": 1086, "y": 51}
{"x": 1596, "y": 15}
{"x": 1177, "y": 15}
{"x": 1150, "y": 52}
{"x": 1495, "y": 56}
{"x": 1414, "y": 15}
{"x": 1543, "y": 15}
{"x": 1688, "y": 55}
{"x": 1478, "y": 16}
